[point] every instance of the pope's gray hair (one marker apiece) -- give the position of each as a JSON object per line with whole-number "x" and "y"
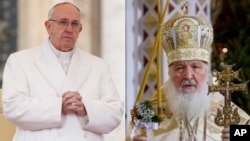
{"x": 51, "y": 11}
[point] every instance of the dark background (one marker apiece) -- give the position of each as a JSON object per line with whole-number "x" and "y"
{"x": 8, "y": 31}
{"x": 232, "y": 31}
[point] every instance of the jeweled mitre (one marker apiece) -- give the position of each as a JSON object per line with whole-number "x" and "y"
{"x": 187, "y": 38}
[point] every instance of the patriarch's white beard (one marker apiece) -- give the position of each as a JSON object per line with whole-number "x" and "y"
{"x": 189, "y": 105}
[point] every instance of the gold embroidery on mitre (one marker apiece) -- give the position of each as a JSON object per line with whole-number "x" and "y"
{"x": 187, "y": 38}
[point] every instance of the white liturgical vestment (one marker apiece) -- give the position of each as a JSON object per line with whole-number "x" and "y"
{"x": 169, "y": 128}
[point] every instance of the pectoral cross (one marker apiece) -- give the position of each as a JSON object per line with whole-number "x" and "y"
{"x": 229, "y": 115}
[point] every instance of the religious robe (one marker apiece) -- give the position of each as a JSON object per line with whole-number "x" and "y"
{"x": 33, "y": 84}
{"x": 169, "y": 128}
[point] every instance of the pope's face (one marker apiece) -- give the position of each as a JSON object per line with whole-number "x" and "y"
{"x": 64, "y": 27}
{"x": 188, "y": 76}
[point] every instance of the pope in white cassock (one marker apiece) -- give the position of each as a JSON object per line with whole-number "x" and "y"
{"x": 56, "y": 91}
{"x": 189, "y": 110}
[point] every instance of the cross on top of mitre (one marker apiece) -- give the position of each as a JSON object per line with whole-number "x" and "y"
{"x": 184, "y": 7}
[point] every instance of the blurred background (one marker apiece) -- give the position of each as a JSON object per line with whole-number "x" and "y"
{"x": 22, "y": 26}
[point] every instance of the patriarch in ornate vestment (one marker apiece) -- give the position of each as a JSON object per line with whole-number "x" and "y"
{"x": 188, "y": 108}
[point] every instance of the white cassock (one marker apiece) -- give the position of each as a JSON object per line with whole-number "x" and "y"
{"x": 33, "y": 84}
